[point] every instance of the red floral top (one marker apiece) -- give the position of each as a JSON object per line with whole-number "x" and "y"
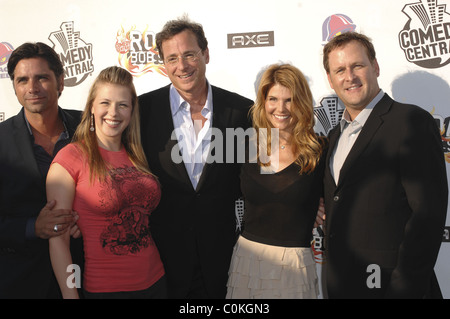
{"x": 120, "y": 254}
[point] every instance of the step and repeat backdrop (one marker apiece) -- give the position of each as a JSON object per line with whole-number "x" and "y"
{"x": 412, "y": 39}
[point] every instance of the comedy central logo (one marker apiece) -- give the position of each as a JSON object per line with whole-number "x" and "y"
{"x": 75, "y": 54}
{"x": 138, "y": 53}
{"x": 425, "y": 38}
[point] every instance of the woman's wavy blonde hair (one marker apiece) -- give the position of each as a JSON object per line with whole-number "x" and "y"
{"x": 307, "y": 145}
{"x": 131, "y": 136}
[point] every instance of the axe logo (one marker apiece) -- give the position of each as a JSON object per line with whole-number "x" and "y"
{"x": 251, "y": 40}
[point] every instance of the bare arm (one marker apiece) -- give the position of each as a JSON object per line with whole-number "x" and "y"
{"x": 61, "y": 188}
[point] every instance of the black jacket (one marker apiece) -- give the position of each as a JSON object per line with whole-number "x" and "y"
{"x": 193, "y": 226}
{"x": 25, "y": 268}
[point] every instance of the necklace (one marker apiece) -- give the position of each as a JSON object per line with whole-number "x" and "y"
{"x": 286, "y": 143}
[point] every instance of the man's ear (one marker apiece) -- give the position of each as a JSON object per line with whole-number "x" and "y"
{"x": 206, "y": 53}
{"x": 377, "y": 67}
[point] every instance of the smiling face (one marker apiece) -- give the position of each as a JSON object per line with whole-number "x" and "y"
{"x": 353, "y": 76}
{"x": 278, "y": 108}
{"x": 188, "y": 77}
{"x": 36, "y": 86}
{"x": 112, "y": 109}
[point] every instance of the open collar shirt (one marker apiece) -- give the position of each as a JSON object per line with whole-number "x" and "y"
{"x": 44, "y": 160}
{"x": 193, "y": 140}
{"x": 349, "y": 133}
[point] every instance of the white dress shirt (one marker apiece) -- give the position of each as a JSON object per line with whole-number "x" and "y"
{"x": 349, "y": 133}
{"x": 193, "y": 139}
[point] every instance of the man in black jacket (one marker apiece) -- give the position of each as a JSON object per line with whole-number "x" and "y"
{"x": 194, "y": 224}
{"x": 28, "y": 143}
{"x": 386, "y": 189}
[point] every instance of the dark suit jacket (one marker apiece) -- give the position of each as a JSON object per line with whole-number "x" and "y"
{"x": 388, "y": 207}
{"x": 25, "y": 269}
{"x": 193, "y": 227}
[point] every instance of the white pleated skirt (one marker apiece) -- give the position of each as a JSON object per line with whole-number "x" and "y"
{"x": 259, "y": 271}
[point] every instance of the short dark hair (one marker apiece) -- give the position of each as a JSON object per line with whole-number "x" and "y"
{"x": 35, "y": 50}
{"x": 343, "y": 39}
{"x": 173, "y": 27}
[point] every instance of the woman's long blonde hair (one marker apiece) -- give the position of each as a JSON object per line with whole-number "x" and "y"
{"x": 307, "y": 145}
{"x": 131, "y": 136}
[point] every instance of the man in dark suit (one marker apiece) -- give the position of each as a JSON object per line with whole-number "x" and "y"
{"x": 385, "y": 185}
{"x": 28, "y": 143}
{"x": 194, "y": 225}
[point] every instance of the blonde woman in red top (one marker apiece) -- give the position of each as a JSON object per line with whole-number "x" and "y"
{"x": 103, "y": 175}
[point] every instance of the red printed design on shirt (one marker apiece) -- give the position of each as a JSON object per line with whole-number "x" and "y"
{"x": 127, "y": 198}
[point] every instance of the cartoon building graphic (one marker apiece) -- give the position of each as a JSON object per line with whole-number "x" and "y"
{"x": 328, "y": 113}
{"x": 428, "y": 13}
